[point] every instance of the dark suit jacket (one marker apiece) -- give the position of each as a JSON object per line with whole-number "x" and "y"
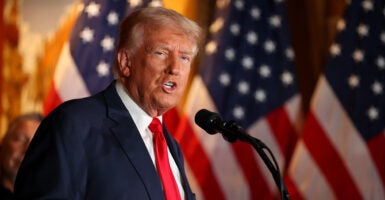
{"x": 91, "y": 149}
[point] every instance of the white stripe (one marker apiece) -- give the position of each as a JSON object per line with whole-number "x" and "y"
{"x": 307, "y": 177}
{"x": 68, "y": 81}
{"x": 347, "y": 141}
{"x": 193, "y": 182}
{"x": 293, "y": 110}
{"x": 227, "y": 171}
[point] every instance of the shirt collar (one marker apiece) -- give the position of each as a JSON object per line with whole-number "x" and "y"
{"x": 141, "y": 119}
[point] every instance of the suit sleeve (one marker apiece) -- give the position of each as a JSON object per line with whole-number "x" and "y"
{"x": 48, "y": 170}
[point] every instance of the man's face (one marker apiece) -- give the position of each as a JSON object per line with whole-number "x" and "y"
{"x": 14, "y": 146}
{"x": 158, "y": 71}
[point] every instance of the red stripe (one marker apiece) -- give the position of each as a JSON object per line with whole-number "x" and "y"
{"x": 329, "y": 161}
{"x": 52, "y": 100}
{"x": 292, "y": 189}
{"x": 284, "y": 132}
{"x": 171, "y": 120}
{"x": 198, "y": 161}
{"x": 257, "y": 185}
{"x": 376, "y": 147}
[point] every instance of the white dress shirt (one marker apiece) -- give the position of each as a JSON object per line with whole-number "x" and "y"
{"x": 142, "y": 120}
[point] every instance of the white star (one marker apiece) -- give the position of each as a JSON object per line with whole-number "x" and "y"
{"x": 289, "y": 53}
{"x": 216, "y": 25}
{"x": 335, "y": 50}
{"x": 341, "y": 25}
{"x": 362, "y": 30}
{"x": 230, "y": 54}
{"x": 211, "y": 47}
{"x": 380, "y": 62}
{"x": 87, "y": 35}
{"x": 264, "y": 71}
{"x": 93, "y": 9}
{"x": 238, "y": 112}
{"x": 243, "y": 87}
{"x": 107, "y": 43}
{"x": 247, "y": 62}
{"x": 377, "y": 88}
{"x": 287, "y": 78}
{"x": 269, "y": 46}
{"x": 260, "y": 95}
{"x": 353, "y": 81}
{"x": 358, "y": 55}
{"x": 235, "y": 29}
{"x": 225, "y": 79}
{"x": 255, "y": 13}
{"x": 372, "y": 113}
{"x": 239, "y": 4}
{"x": 112, "y": 18}
{"x": 367, "y": 5}
{"x": 103, "y": 69}
{"x": 275, "y": 21}
{"x": 134, "y": 3}
{"x": 252, "y": 37}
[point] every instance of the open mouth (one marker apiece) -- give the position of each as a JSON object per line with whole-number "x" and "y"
{"x": 169, "y": 86}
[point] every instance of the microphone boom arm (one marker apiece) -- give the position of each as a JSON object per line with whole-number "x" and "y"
{"x": 232, "y": 131}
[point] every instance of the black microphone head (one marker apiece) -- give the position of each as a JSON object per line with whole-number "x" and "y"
{"x": 208, "y": 121}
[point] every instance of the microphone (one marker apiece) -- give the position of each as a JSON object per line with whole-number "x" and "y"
{"x": 208, "y": 121}
{"x": 213, "y": 123}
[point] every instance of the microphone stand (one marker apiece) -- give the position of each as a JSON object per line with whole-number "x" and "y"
{"x": 231, "y": 131}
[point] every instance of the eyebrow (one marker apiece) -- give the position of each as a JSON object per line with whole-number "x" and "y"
{"x": 166, "y": 47}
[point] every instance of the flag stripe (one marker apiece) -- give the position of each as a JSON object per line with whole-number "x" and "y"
{"x": 258, "y": 187}
{"x": 328, "y": 133}
{"x": 308, "y": 182}
{"x": 283, "y": 131}
{"x": 203, "y": 173}
{"x": 376, "y": 147}
{"x": 346, "y": 140}
{"x": 334, "y": 167}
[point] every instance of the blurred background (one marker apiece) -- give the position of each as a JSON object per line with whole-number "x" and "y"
{"x": 30, "y": 29}
{"x": 305, "y": 77}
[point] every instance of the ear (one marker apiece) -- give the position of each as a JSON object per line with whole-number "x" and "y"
{"x": 124, "y": 62}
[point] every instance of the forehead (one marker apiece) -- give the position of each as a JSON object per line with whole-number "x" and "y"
{"x": 168, "y": 37}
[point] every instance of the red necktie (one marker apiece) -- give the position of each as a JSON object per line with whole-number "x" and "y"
{"x": 170, "y": 188}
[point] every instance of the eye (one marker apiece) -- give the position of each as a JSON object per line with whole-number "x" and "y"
{"x": 185, "y": 58}
{"x": 159, "y": 53}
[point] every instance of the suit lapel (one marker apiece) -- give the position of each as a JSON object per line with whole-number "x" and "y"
{"x": 132, "y": 144}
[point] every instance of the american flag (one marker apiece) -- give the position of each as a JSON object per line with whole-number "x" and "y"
{"x": 85, "y": 64}
{"x": 341, "y": 154}
{"x": 247, "y": 75}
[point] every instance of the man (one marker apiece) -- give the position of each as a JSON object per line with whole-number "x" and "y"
{"x": 102, "y": 147}
{"x": 14, "y": 144}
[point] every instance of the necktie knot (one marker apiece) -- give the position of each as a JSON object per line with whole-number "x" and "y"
{"x": 156, "y": 126}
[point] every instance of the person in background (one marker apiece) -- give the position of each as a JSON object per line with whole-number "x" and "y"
{"x": 13, "y": 146}
{"x": 113, "y": 145}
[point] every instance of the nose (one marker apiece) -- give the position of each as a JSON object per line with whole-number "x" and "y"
{"x": 174, "y": 66}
